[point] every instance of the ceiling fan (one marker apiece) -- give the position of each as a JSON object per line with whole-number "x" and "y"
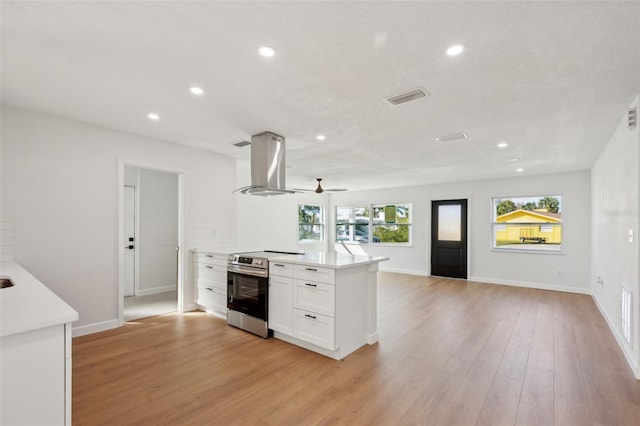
{"x": 320, "y": 190}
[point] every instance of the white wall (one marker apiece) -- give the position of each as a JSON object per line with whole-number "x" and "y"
{"x": 615, "y": 184}
{"x": 158, "y": 238}
{"x": 538, "y": 270}
{"x": 271, "y": 223}
{"x": 61, "y": 180}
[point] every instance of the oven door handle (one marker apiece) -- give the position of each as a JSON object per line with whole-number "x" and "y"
{"x": 254, "y": 272}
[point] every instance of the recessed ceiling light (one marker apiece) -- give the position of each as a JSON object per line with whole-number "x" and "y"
{"x": 502, "y": 145}
{"x": 196, "y": 90}
{"x": 454, "y": 50}
{"x": 321, "y": 137}
{"x": 267, "y": 51}
{"x": 512, "y": 160}
{"x": 153, "y": 116}
{"x": 520, "y": 170}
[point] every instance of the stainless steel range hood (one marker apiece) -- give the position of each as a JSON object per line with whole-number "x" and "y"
{"x": 267, "y": 166}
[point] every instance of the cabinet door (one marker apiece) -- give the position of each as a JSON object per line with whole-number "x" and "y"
{"x": 280, "y": 304}
{"x": 315, "y": 297}
{"x": 314, "y": 328}
{"x": 282, "y": 269}
{"x": 314, "y": 273}
{"x": 212, "y": 298}
{"x": 212, "y": 274}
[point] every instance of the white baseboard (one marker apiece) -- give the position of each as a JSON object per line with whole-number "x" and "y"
{"x": 539, "y": 286}
{"x": 488, "y": 280}
{"x": 619, "y": 339}
{"x": 404, "y": 271}
{"x": 156, "y": 290}
{"x": 94, "y": 328}
{"x": 190, "y": 307}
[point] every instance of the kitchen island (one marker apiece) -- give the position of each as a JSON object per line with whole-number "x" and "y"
{"x": 35, "y": 354}
{"x": 324, "y": 301}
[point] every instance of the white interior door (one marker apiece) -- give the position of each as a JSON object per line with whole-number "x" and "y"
{"x": 129, "y": 241}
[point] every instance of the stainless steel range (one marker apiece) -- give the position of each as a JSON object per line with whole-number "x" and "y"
{"x": 248, "y": 290}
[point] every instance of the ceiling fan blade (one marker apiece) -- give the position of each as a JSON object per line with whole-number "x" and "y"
{"x": 319, "y": 189}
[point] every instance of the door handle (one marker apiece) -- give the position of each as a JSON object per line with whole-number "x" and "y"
{"x": 130, "y": 247}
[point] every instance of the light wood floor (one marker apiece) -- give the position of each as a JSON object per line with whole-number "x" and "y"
{"x": 450, "y": 353}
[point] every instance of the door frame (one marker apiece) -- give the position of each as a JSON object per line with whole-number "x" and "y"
{"x": 136, "y": 233}
{"x": 182, "y": 257}
{"x": 431, "y": 231}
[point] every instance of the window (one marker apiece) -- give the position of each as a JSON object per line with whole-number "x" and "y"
{"x": 352, "y": 224}
{"x": 387, "y": 224}
{"x": 527, "y": 223}
{"x": 310, "y": 223}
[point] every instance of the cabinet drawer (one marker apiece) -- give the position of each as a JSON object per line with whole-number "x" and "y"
{"x": 211, "y": 259}
{"x": 212, "y": 298}
{"x": 314, "y": 273}
{"x": 212, "y": 273}
{"x": 282, "y": 269}
{"x": 314, "y": 297}
{"x": 314, "y": 328}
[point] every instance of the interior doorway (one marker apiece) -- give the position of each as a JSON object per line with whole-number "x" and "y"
{"x": 151, "y": 232}
{"x": 449, "y": 238}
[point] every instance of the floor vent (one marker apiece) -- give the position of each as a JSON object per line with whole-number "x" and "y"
{"x": 626, "y": 314}
{"x": 632, "y": 118}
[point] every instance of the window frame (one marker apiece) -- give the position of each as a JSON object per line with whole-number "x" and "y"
{"x": 321, "y": 223}
{"x": 533, "y": 246}
{"x": 371, "y": 224}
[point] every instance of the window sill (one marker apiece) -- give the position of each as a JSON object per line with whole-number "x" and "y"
{"x": 527, "y": 250}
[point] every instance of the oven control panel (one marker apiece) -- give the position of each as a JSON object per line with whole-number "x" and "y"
{"x": 236, "y": 259}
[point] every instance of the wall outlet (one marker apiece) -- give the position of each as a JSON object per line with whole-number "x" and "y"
{"x": 630, "y": 235}
{"x": 558, "y": 272}
{"x": 599, "y": 281}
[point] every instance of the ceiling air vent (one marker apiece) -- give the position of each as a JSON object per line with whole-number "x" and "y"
{"x": 406, "y": 97}
{"x": 632, "y": 118}
{"x": 451, "y": 137}
{"x": 241, "y": 144}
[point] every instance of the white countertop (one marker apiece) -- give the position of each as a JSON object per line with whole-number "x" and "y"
{"x": 329, "y": 259}
{"x": 29, "y": 305}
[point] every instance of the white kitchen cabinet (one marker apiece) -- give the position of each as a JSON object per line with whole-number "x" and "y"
{"x": 211, "y": 282}
{"x": 314, "y": 273}
{"x": 314, "y": 296}
{"x": 331, "y": 302}
{"x": 280, "y": 304}
{"x": 280, "y": 315}
{"x": 35, "y": 352}
{"x": 314, "y": 305}
{"x": 315, "y": 328}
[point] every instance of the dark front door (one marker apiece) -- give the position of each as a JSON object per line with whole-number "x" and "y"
{"x": 449, "y": 238}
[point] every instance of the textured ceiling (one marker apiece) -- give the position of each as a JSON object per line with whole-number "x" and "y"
{"x": 552, "y": 79}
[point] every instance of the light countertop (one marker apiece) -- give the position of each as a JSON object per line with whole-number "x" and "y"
{"x": 329, "y": 259}
{"x": 29, "y": 305}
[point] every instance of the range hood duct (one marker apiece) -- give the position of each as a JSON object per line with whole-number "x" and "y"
{"x": 267, "y": 166}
